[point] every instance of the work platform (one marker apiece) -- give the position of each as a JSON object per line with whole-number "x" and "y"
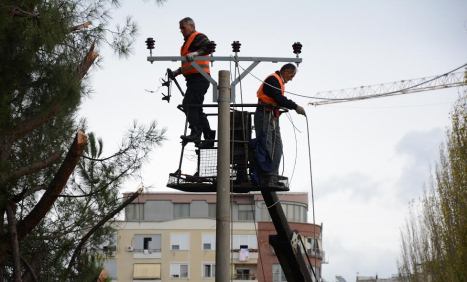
{"x": 243, "y": 176}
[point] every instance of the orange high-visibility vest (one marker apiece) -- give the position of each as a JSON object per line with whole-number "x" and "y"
{"x": 263, "y": 98}
{"x": 187, "y": 68}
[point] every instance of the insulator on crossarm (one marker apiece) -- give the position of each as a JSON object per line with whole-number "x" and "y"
{"x": 236, "y": 46}
{"x": 150, "y": 44}
{"x": 297, "y": 48}
{"x": 211, "y": 47}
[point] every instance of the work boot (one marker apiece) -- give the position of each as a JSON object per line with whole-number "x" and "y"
{"x": 209, "y": 137}
{"x": 195, "y": 136}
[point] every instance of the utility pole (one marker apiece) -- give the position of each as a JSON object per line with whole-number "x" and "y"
{"x": 223, "y": 181}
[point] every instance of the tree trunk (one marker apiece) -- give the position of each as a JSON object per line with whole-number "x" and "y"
{"x": 10, "y": 211}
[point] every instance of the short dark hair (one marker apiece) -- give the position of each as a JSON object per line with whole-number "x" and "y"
{"x": 288, "y": 66}
{"x": 187, "y": 20}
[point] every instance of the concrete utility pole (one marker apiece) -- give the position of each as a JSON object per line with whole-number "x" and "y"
{"x": 223, "y": 181}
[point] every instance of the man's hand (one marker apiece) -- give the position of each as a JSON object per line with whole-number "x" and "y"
{"x": 300, "y": 110}
{"x": 191, "y": 56}
{"x": 172, "y": 74}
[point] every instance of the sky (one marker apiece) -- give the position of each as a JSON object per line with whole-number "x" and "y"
{"x": 369, "y": 158}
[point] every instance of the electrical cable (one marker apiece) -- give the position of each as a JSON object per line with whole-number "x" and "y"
{"x": 296, "y": 147}
{"x": 292, "y": 93}
{"x": 341, "y": 100}
{"x": 244, "y": 138}
{"x": 311, "y": 172}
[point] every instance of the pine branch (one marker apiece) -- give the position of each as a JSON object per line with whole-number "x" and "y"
{"x": 17, "y": 173}
{"x": 100, "y": 224}
{"x": 26, "y": 193}
{"x": 55, "y": 187}
{"x": 29, "y": 125}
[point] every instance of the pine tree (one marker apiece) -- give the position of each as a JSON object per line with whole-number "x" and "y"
{"x": 47, "y": 50}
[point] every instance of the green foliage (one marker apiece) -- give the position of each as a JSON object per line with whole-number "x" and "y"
{"x": 46, "y": 47}
{"x": 434, "y": 240}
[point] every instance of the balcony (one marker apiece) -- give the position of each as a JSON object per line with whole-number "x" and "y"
{"x": 147, "y": 254}
{"x": 251, "y": 258}
{"x": 319, "y": 254}
{"x": 243, "y": 277}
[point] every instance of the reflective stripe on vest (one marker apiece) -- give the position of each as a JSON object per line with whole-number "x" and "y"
{"x": 262, "y": 97}
{"x": 187, "y": 67}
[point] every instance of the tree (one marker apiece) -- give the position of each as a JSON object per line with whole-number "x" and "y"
{"x": 434, "y": 240}
{"x": 48, "y": 48}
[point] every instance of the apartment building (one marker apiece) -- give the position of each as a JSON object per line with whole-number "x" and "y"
{"x": 172, "y": 237}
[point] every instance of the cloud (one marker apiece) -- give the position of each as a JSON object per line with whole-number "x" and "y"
{"x": 420, "y": 149}
{"x": 357, "y": 185}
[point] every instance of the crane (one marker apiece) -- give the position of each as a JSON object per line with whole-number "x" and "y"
{"x": 447, "y": 80}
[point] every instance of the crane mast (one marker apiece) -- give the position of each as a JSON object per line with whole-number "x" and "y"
{"x": 448, "y": 80}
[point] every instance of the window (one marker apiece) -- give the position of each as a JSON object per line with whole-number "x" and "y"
{"x": 245, "y": 212}
{"x": 242, "y": 274}
{"x": 181, "y": 210}
{"x": 248, "y": 240}
{"x": 179, "y": 270}
{"x": 212, "y": 210}
{"x": 277, "y": 273}
{"x": 134, "y": 212}
{"x": 148, "y": 242}
{"x": 208, "y": 241}
{"x": 179, "y": 241}
{"x": 209, "y": 270}
{"x": 147, "y": 271}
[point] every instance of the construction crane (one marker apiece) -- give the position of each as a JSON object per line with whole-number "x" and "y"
{"x": 447, "y": 80}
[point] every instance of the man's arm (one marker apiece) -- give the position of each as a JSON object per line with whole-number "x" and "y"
{"x": 200, "y": 45}
{"x": 272, "y": 89}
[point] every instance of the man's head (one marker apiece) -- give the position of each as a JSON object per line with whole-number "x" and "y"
{"x": 288, "y": 71}
{"x": 187, "y": 26}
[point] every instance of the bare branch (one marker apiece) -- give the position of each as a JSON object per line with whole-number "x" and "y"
{"x": 99, "y": 224}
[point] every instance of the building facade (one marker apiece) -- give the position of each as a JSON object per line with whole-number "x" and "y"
{"x": 172, "y": 237}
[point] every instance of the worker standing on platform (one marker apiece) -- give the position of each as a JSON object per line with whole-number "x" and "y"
{"x": 196, "y": 44}
{"x": 270, "y": 98}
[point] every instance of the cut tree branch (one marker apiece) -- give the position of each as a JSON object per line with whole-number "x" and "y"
{"x": 55, "y": 187}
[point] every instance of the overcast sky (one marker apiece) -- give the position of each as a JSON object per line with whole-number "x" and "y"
{"x": 369, "y": 158}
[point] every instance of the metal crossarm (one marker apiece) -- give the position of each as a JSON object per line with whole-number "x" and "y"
{"x": 235, "y": 59}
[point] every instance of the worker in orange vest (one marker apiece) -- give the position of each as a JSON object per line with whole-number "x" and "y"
{"x": 270, "y": 99}
{"x": 196, "y": 44}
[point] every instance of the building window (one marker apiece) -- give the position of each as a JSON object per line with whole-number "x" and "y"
{"x": 208, "y": 241}
{"x": 179, "y": 241}
{"x": 147, "y": 242}
{"x": 242, "y": 274}
{"x": 248, "y": 240}
{"x": 212, "y": 210}
{"x": 278, "y": 274}
{"x": 147, "y": 271}
{"x": 209, "y": 270}
{"x": 134, "y": 212}
{"x": 245, "y": 212}
{"x": 181, "y": 210}
{"x": 179, "y": 270}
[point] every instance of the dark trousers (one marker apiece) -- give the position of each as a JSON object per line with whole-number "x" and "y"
{"x": 197, "y": 86}
{"x": 267, "y": 128}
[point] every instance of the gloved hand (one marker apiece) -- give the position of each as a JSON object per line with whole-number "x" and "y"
{"x": 173, "y": 74}
{"x": 300, "y": 110}
{"x": 191, "y": 56}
